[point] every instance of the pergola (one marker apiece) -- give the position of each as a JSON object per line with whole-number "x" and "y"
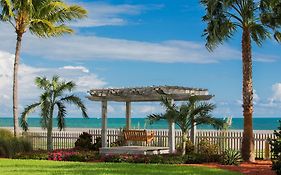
{"x": 143, "y": 94}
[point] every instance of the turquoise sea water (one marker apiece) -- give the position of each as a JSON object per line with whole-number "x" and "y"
{"x": 237, "y": 123}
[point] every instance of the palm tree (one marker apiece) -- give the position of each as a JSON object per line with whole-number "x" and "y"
{"x": 187, "y": 116}
{"x": 224, "y": 18}
{"x": 53, "y": 99}
{"x": 271, "y": 16}
{"x": 42, "y": 18}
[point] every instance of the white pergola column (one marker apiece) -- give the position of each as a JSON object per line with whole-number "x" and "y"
{"x": 104, "y": 123}
{"x": 193, "y": 133}
{"x": 172, "y": 135}
{"x": 128, "y": 114}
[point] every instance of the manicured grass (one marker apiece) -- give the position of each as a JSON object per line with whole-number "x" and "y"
{"x": 37, "y": 167}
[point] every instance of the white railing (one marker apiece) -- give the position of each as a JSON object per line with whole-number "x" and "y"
{"x": 231, "y": 139}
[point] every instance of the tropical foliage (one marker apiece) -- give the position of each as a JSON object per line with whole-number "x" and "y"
{"x": 53, "y": 99}
{"x": 271, "y": 16}
{"x": 223, "y": 19}
{"x": 42, "y": 18}
{"x": 191, "y": 113}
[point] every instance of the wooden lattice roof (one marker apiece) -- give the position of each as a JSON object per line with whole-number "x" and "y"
{"x": 151, "y": 93}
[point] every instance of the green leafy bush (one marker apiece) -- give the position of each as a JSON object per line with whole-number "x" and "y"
{"x": 10, "y": 146}
{"x": 231, "y": 157}
{"x": 276, "y": 150}
{"x": 120, "y": 141}
{"x": 84, "y": 141}
{"x": 193, "y": 158}
{"x": 189, "y": 147}
{"x": 6, "y": 134}
{"x": 36, "y": 155}
{"x": 154, "y": 159}
{"x": 276, "y": 166}
{"x": 97, "y": 145}
{"x": 208, "y": 151}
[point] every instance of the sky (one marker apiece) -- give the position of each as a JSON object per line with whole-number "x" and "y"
{"x": 141, "y": 43}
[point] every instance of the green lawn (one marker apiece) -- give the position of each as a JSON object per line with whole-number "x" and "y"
{"x": 37, "y": 167}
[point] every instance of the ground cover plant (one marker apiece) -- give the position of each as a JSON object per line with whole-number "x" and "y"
{"x": 26, "y": 167}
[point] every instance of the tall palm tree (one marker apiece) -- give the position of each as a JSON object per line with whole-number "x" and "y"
{"x": 271, "y": 16}
{"x": 187, "y": 116}
{"x": 224, "y": 18}
{"x": 53, "y": 99}
{"x": 42, "y": 18}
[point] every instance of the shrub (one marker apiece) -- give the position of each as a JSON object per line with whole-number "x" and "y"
{"x": 231, "y": 157}
{"x": 37, "y": 155}
{"x": 155, "y": 159}
{"x": 208, "y": 151}
{"x": 276, "y": 150}
{"x": 120, "y": 141}
{"x": 10, "y": 146}
{"x": 73, "y": 155}
{"x": 6, "y": 134}
{"x": 189, "y": 147}
{"x": 276, "y": 166}
{"x": 193, "y": 158}
{"x": 97, "y": 145}
{"x": 84, "y": 141}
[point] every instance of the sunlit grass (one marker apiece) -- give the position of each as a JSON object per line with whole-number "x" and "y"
{"x": 37, "y": 167}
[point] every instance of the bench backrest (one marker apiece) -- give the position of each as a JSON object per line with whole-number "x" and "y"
{"x": 135, "y": 135}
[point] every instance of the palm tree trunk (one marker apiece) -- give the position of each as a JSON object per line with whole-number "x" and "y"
{"x": 15, "y": 85}
{"x": 248, "y": 139}
{"x": 184, "y": 139}
{"x": 49, "y": 131}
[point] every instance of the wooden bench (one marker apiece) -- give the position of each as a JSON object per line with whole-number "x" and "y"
{"x": 138, "y": 135}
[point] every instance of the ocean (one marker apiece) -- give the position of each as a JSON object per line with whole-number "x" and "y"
{"x": 237, "y": 123}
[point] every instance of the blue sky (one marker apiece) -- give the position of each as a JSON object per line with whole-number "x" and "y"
{"x": 142, "y": 43}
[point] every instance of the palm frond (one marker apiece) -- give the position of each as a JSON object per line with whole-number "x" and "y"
{"x": 7, "y": 10}
{"x": 219, "y": 25}
{"x": 72, "y": 99}
{"x": 42, "y": 83}
{"x": 61, "y": 115}
{"x": 258, "y": 33}
{"x": 44, "y": 28}
{"x": 209, "y": 120}
{"x": 152, "y": 118}
{"x": 277, "y": 36}
{"x": 29, "y": 109}
{"x": 45, "y": 109}
{"x": 64, "y": 86}
{"x": 203, "y": 108}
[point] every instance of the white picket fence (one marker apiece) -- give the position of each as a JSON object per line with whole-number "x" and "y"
{"x": 224, "y": 139}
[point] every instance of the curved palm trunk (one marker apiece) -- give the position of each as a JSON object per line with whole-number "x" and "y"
{"x": 15, "y": 85}
{"x": 184, "y": 139}
{"x": 248, "y": 139}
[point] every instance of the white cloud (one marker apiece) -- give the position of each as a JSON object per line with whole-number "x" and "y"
{"x": 104, "y": 14}
{"x": 84, "y": 79}
{"x": 77, "y": 47}
{"x": 81, "y": 68}
{"x": 276, "y": 88}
